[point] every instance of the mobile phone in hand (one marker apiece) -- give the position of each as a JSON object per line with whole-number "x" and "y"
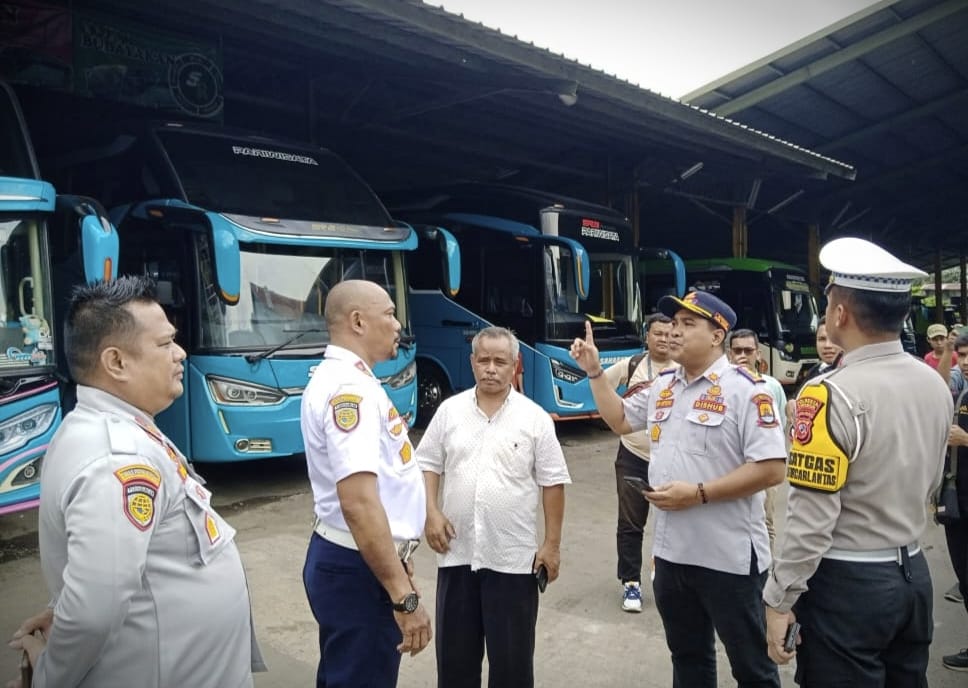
{"x": 790, "y": 642}
{"x": 638, "y": 483}
{"x": 541, "y": 576}
{"x": 26, "y": 671}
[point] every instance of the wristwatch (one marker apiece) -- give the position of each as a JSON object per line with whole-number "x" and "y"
{"x": 408, "y": 605}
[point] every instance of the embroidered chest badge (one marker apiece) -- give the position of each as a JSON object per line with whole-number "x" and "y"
{"x": 346, "y": 411}
{"x": 656, "y": 432}
{"x": 666, "y": 399}
{"x": 764, "y": 409}
{"x": 139, "y": 488}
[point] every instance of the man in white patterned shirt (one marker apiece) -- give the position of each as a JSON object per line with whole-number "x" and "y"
{"x": 499, "y": 452}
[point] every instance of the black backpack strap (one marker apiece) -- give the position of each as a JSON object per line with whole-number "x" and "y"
{"x": 633, "y": 364}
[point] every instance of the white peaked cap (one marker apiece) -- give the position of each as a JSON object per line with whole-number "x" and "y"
{"x": 859, "y": 264}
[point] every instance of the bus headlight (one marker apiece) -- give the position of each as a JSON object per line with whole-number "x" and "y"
{"x": 238, "y": 393}
{"x": 566, "y": 373}
{"x": 403, "y": 378}
{"x": 22, "y": 428}
{"x": 29, "y": 474}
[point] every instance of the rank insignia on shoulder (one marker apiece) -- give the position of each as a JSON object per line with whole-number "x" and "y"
{"x": 139, "y": 488}
{"x": 346, "y": 411}
{"x": 749, "y": 374}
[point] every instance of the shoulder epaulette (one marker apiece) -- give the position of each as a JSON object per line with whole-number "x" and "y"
{"x": 749, "y": 374}
{"x": 635, "y": 389}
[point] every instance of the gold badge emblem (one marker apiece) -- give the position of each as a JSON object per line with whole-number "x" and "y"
{"x": 656, "y": 431}
{"x": 406, "y": 452}
{"x": 139, "y": 487}
{"x": 346, "y": 411}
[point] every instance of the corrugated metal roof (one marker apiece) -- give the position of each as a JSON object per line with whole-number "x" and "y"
{"x": 886, "y": 89}
{"x": 400, "y": 74}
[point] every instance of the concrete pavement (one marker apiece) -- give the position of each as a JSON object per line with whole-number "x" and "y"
{"x": 583, "y": 638}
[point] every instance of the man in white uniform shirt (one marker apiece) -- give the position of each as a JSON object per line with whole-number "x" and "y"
{"x": 498, "y": 452}
{"x": 368, "y": 499}
{"x": 145, "y": 580}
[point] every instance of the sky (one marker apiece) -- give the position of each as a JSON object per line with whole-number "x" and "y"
{"x": 668, "y": 46}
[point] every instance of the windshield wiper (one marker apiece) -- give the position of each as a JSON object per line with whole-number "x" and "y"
{"x": 255, "y": 358}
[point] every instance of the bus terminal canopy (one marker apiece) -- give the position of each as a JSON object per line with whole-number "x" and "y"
{"x": 411, "y": 95}
{"x": 886, "y": 89}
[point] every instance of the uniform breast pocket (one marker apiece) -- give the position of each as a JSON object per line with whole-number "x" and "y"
{"x": 700, "y": 431}
{"x": 209, "y": 531}
{"x": 515, "y": 457}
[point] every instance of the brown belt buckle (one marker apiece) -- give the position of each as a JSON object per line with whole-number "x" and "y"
{"x": 406, "y": 549}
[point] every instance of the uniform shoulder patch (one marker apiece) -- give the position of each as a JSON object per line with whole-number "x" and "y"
{"x": 346, "y": 411}
{"x": 749, "y": 374}
{"x": 766, "y": 414}
{"x": 139, "y": 489}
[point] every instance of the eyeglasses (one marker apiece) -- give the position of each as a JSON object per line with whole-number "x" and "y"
{"x": 743, "y": 351}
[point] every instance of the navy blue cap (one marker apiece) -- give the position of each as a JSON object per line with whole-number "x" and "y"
{"x": 701, "y": 303}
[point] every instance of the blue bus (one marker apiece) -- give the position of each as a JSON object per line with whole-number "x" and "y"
{"x": 30, "y": 402}
{"x": 245, "y": 236}
{"x": 536, "y": 262}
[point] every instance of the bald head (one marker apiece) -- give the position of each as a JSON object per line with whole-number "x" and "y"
{"x": 349, "y": 296}
{"x": 361, "y": 317}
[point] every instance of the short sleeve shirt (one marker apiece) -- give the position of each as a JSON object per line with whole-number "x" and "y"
{"x": 493, "y": 470}
{"x": 349, "y": 425}
{"x": 700, "y": 431}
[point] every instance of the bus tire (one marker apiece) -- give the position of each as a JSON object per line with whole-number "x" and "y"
{"x": 432, "y": 389}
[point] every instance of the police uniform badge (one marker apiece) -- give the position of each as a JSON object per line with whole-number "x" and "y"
{"x": 346, "y": 411}
{"x": 139, "y": 488}
{"x": 816, "y": 461}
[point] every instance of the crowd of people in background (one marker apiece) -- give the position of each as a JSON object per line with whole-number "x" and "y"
{"x": 705, "y": 438}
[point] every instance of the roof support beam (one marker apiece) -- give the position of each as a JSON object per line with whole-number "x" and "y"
{"x": 891, "y": 123}
{"x": 853, "y": 52}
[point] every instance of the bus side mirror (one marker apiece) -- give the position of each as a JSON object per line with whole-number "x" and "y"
{"x": 227, "y": 259}
{"x": 99, "y": 247}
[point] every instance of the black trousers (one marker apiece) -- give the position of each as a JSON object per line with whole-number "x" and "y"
{"x": 485, "y": 608}
{"x": 696, "y": 603}
{"x": 864, "y": 625}
{"x": 633, "y": 511}
{"x": 957, "y": 536}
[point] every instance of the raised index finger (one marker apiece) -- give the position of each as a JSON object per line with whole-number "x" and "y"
{"x": 589, "y": 337}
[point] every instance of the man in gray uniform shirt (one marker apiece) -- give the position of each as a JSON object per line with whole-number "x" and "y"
{"x": 868, "y": 448}
{"x": 145, "y": 581}
{"x": 717, "y": 443}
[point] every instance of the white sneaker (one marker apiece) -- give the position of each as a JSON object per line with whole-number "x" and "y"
{"x": 632, "y": 598}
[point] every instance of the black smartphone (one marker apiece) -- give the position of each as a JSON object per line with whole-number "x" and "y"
{"x": 541, "y": 576}
{"x": 26, "y": 671}
{"x": 790, "y": 642}
{"x": 638, "y": 483}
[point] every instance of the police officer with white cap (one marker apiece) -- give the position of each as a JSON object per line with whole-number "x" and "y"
{"x": 369, "y": 499}
{"x": 868, "y": 448}
{"x": 717, "y": 443}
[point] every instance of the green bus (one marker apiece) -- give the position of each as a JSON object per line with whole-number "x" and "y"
{"x": 772, "y": 299}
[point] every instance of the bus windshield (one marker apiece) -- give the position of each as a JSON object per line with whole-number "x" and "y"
{"x": 795, "y": 306}
{"x": 613, "y": 295}
{"x": 25, "y": 301}
{"x": 232, "y": 175}
{"x": 284, "y": 291}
